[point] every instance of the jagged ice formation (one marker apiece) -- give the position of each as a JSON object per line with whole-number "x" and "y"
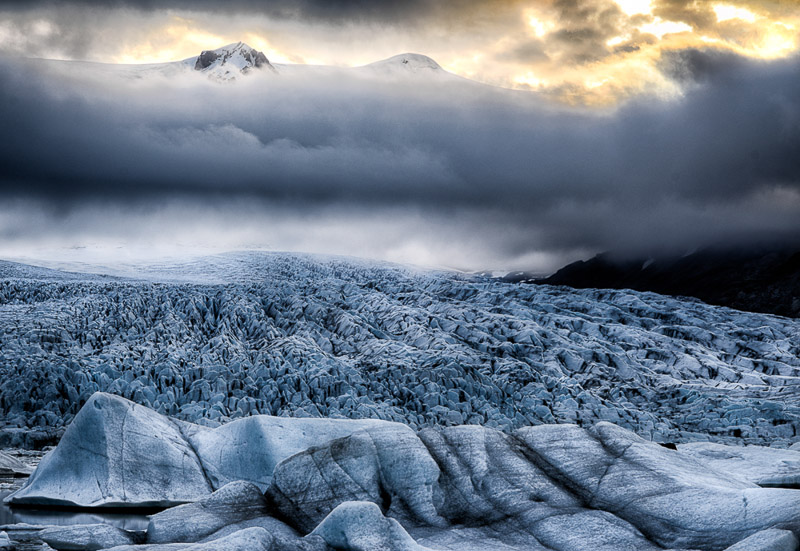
{"x": 292, "y": 335}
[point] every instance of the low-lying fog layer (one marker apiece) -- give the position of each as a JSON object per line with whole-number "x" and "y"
{"x": 419, "y": 166}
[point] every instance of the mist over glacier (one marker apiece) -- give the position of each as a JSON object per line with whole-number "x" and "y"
{"x": 427, "y": 168}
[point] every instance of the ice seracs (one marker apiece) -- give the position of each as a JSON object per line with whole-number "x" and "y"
{"x": 289, "y": 335}
{"x": 86, "y": 537}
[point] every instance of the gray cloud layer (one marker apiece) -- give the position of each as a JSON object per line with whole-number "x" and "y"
{"x": 444, "y": 172}
{"x": 328, "y": 10}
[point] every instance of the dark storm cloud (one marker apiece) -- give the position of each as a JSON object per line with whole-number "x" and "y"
{"x": 491, "y": 174}
{"x": 385, "y": 11}
{"x": 736, "y": 132}
{"x": 528, "y": 50}
{"x": 584, "y": 28}
{"x": 701, "y": 66}
{"x": 66, "y": 31}
{"x": 700, "y": 15}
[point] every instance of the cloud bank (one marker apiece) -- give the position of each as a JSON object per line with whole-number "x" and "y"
{"x": 427, "y": 170}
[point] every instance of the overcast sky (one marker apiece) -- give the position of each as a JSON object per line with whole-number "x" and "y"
{"x": 636, "y": 126}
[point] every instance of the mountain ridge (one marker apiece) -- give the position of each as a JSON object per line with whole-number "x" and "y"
{"x": 765, "y": 279}
{"x": 229, "y": 62}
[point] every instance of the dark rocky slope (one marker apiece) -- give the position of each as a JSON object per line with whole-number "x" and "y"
{"x": 763, "y": 280}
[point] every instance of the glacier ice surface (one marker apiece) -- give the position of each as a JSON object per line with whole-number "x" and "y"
{"x": 291, "y": 335}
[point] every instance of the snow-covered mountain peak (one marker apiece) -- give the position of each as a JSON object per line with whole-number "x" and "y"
{"x": 229, "y": 61}
{"x": 407, "y": 62}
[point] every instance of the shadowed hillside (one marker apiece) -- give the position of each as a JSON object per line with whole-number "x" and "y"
{"x": 767, "y": 280}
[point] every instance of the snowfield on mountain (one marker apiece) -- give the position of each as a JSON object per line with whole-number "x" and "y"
{"x": 236, "y": 61}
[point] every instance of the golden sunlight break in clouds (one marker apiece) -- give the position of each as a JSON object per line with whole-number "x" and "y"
{"x": 600, "y": 52}
{"x": 177, "y": 39}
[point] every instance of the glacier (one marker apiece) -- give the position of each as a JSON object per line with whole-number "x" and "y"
{"x": 291, "y": 402}
{"x": 228, "y": 336}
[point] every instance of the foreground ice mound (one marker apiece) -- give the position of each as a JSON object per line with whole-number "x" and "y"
{"x": 764, "y": 466}
{"x": 551, "y": 486}
{"x": 386, "y": 486}
{"x": 361, "y": 526}
{"x": 86, "y": 537}
{"x": 254, "y": 538}
{"x": 250, "y": 448}
{"x": 11, "y": 466}
{"x": 235, "y": 503}
{"x": 768, "y": 540}
{"x": 119, "y": 454}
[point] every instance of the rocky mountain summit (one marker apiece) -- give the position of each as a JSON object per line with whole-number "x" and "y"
{"x": 386, "y": 486}
{"x": 227, "y": 62}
